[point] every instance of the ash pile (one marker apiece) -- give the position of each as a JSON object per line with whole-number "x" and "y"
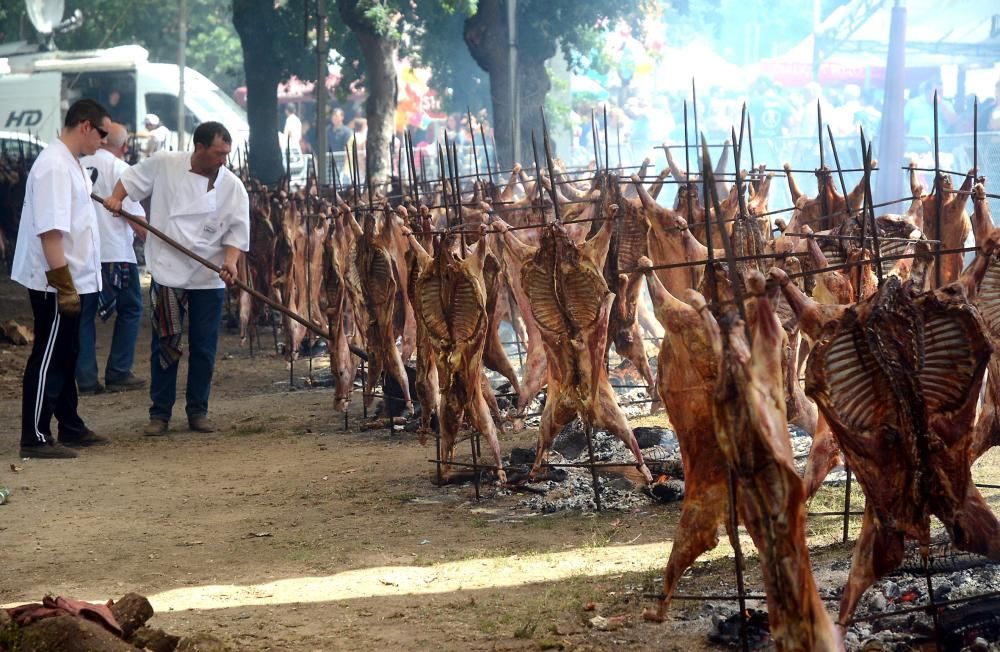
{"x": 572, "y": 488}
{"x": 972, "y": 622}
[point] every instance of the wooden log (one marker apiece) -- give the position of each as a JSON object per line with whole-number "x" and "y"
{"x": 132, "y": 611}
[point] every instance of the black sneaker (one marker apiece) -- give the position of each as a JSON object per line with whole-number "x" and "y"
{"x": 51, "y": 451}
{"x": 90, "y": 391}
{"x": 127, "y": 383}
{"x": 89, "y": 438}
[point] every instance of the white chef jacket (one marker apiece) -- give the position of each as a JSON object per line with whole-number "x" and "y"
{"x": 202, "y": 220}
{"x": 57, "y": 197}
{"x": 104, "y": 169}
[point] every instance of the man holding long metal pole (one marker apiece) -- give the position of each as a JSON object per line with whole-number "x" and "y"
{"x": 201, "y": 204}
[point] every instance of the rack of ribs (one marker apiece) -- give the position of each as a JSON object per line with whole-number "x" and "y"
{"x": 451, "y": 303}
{"x": 571, "y": 304}
{"x": 378, "y": 282}
{"x": 897, "y": 377}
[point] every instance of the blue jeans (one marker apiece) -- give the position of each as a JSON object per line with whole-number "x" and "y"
{"x": 127, "y": 320}
{"x": 86, "y": 360}
{"x": 204, "y": 315}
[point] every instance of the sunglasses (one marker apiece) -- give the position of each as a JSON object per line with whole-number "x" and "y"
{"x": 100, "y": 132}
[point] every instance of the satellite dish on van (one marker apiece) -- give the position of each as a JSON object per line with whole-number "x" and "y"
{"x": 45, "y": 15}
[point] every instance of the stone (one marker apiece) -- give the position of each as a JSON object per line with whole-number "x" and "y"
{"x": 18, "y": 334}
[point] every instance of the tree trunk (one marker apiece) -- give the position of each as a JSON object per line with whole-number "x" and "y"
{"x": 379, "y": 52}
{"x": 486, "y": 35}
{"x": 263, "y": 76}
{"x": 535, "y": 86}
{"x": 380, "y": 105}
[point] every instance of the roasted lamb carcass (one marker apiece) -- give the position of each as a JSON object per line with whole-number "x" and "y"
{"x": 750, "y": 428}
{"x": 810, "y": 210}
{"x": 685, "y": 379}
{"x": 628, "y": 245}
{"x": 898, "y": 377}
{"x": 515, "y": 253}
{"x": 571, "y": 304}
{"x": 987, "y": 431}
{"x": 426, "y": 377}
{"x": 955, "y": 223}
{"x": 375, "y": 278}
{"x": 340, "y": 308}
{"x": 451, "y": 304}
{"x": 259, "y": 272}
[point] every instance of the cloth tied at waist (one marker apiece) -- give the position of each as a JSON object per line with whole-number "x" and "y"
{"x": 168, "y": 307}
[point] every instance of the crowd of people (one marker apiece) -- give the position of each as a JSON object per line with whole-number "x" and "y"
{"x": 74, "y": 256}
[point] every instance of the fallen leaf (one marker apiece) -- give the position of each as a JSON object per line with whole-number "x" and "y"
{"x": 590, "y": 606}
{"x": 15, "y": 468}
{"x": 260, "y": 534}
{"x": 388, "y": 583}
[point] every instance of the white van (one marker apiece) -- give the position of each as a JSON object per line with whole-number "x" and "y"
{"x": 37, "y": 88}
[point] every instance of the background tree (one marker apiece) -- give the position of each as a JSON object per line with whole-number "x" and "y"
{"x": 542, "y": 26}
{"x": 375, "y": 25}
{"x": 273, "y": 48}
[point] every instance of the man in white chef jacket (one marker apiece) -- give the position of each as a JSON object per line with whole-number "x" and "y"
{"x": 121, "y": 292}
{"x": 202, "y": 205}
{"x": 58, "y": 258}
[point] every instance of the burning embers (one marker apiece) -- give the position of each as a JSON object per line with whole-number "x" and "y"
{"x": 958, "y": 606}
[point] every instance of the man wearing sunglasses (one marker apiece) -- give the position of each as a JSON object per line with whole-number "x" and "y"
{"x": 58, "y": 259}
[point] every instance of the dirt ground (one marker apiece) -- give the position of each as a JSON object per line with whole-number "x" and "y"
{"x": 283, "y": 531}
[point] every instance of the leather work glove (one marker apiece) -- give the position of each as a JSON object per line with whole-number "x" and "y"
{"x": 62, "y": 281}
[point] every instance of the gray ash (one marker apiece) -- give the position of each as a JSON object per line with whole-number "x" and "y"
{"x": 955, "y": 575}
{"x": 576, "y": 492}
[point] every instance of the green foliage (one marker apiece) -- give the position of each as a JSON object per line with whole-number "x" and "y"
{"x": 213, "y": 46}
{"x": 438, "y": 43}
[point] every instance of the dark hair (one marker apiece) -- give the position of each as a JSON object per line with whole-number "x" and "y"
{"x": 85, "y": 110}
{"x": 289, "y": 108}
{"x": 206, "y": 132}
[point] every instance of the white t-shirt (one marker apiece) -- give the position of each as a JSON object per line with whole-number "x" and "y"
{"x": 158, "y": 139}
{"x": 292, "y": 132}
{"x": 104, "y": 169}
{"x": 182, "y": 206}
{"x": 57, "y": 197}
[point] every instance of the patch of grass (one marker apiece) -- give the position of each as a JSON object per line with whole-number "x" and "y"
{"x": 526, "y": 630}
{"x": 252, "y": 428}
{"x": 488, "y": 626}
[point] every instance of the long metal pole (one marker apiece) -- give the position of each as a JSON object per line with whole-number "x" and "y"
{"x": 938, "y": 199}
{"x": 181, "y": 65}
{"x": 237, "y": 282}
{"x": 514, "y": 86}
{"x": 319, "y": 123}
